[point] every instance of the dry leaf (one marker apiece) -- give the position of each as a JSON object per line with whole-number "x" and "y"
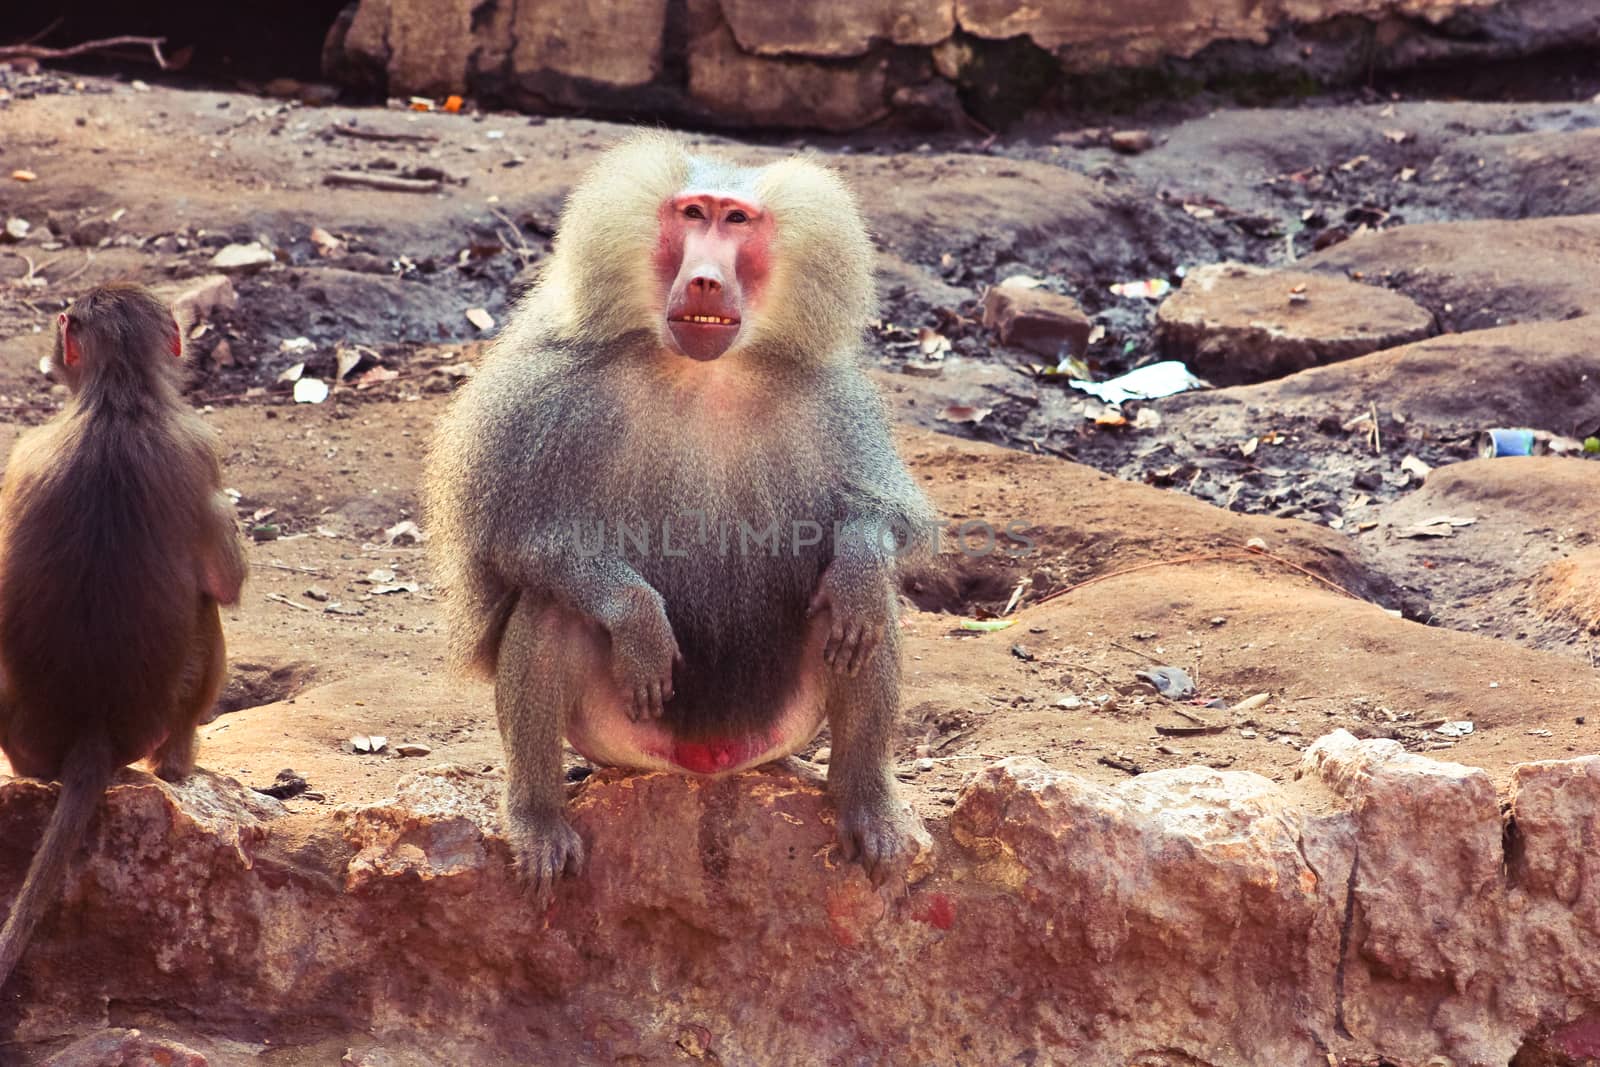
{"x": 328, "y": 246}
{"x": 964, "y": 413}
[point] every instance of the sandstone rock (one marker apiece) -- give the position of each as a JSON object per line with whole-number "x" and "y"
{"x": 1189, "y": 910}
{"x": 730, "y": 83}
{"x": 422, "y": 47}
{"x": 614, "y": 44}
{"x": 1036, "y": 319}
{"x": 1235, "y": 323}
{"x": 836, "y": 28}
{"x": 1089, "y": 36}
{"x": 609, "y": 56}
{"x": 1482, "y": 273}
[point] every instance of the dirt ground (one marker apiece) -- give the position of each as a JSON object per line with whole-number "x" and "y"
{"x": 1336, "y": 617}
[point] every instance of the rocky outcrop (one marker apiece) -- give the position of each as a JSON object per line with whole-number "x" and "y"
{"x": 1235, "y": 324}
{"x": 1381, "y": 906}
{"x": 843, "y": 65}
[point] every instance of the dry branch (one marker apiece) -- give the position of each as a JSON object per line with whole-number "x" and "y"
{"x": 380, "y": 181}
{"x": 35, "y": 51}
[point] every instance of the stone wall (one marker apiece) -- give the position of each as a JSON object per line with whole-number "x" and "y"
{"x": 845, "y": 64}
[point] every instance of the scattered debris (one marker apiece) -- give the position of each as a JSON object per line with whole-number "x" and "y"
{"x": 1415, "y": 467}
{"x": 1121, "y": 763}
{"x": 405, "y": 532}
{"x": 1173, "y": 682}
{"x": 328, "y": 246}
{"x": 1495, "y": 443}
{"x": 480, "y": 318}
{"x": 310, "y": 391}
{"x": 1438, "y": 526}
{"x": 412, "y": 749}
{"x": 1454, "y": 729}
{"x": 287, "y": 784}
{"x": 1196, "y": 729}
{"x": 987, "y": 625}
{"x": 1146, "y": 383}
{"x": 369, "y": 744}
{"x": 963, "y": 413}
{"x": 1148, "y": 289}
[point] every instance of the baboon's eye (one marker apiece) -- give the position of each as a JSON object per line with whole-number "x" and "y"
{"x": 738, "y": 216}
{"x": 693, "y": 211}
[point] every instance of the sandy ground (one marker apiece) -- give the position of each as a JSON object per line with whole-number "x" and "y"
{"x": 1336, "y": 623}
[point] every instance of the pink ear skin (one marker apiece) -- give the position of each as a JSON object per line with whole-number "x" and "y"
{"x": 69, "y": 344}
{"x": 177, "y": 341}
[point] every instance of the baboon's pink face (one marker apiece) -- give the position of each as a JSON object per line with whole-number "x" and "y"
{"x": 713, "y": 258}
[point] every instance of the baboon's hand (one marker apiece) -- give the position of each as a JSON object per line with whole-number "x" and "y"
{"x": 643, "y": 652}
{"x": 854, "y": 595}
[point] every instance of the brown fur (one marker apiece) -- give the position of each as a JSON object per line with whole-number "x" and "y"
{"x": 116, "y": 545}
{"x": 579, "y": 414}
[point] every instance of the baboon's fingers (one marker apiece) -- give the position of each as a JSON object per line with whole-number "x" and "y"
{"x": 848, "y": 845}
{"x": 836, "y": 640}
{"x": 870, "y": 636}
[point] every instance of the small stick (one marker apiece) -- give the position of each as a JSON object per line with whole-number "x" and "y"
{"x": 524, "y": 253}
{"x": 1188, "y": 715}
{"x": 297, "y": 570}
{"x": 88, "y": 258}
{"x": 35, "y": 51}
{"x": 380, "y": 181}
{"x": 279, "y": 598}
{"x": 1153, "y": 659}
{"x": 362, "y": 133}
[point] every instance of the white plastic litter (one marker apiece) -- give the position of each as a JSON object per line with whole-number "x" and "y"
{"x": 1146, "y": 383}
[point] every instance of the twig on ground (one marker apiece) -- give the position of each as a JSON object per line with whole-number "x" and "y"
{"x": 380, "y": 181}
{"x": 364, "y": 134}
{"x": 35, "y": 51}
